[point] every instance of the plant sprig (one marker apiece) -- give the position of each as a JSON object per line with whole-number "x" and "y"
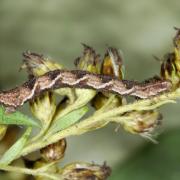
{"x": 69, "y": 116}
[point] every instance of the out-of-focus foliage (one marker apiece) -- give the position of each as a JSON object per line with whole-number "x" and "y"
{"x": 153, "y": 161}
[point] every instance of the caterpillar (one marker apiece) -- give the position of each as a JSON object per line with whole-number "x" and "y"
{"x": 55, "y": 79}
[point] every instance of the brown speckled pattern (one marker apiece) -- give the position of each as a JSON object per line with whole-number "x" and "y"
{"x": 80, "y": 79}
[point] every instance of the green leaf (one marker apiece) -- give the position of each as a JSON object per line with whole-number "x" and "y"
{"x": 68, "y": 120}
{"x": 15, "y": 149}
{"x": 16, "y": 118}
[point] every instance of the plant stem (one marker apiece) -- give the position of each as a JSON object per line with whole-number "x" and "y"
{"x": 82, "y": 126}
{"x": 34, "y": 172}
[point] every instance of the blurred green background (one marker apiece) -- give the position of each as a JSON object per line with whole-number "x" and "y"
{"x": 140, "y": 29}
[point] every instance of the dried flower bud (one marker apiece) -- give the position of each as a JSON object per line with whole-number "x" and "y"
{"x": 44, "y": 107}
{"x": 54, "y": 152}
{"x": 169, "y": 70}
{"x": 112, "y": 63}
{"x": 142, "y": 122}
{"x": 37, "y": 65}
{"x": 89, "y": 61}
{"x": 85, "y": 171}
{"x": 3, "y": 129}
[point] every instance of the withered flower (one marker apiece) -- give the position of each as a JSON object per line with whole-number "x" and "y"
{"x": 142, "y": 122}
{"x": 89, "y": 61}
{"x": 112, "y": 63}
{"x": 85, "y": 171}
{"x": 170, "y": 68}
{"x": 54, "y": 152}
{"x": 37, "y": 64}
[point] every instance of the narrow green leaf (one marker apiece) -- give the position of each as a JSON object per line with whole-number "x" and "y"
{"x": 15, "y": 149}
{"x": 68, "y": 120}
{"x": 16, "y": 118}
